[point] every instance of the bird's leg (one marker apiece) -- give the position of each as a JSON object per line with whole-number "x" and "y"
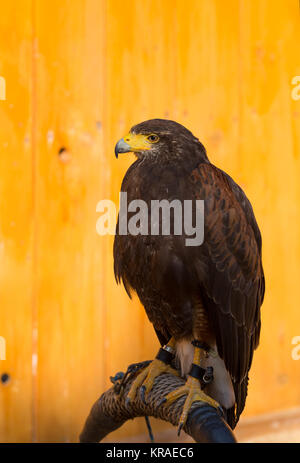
{"x": 161, "y": 364}
{"x": 193, "y": 387}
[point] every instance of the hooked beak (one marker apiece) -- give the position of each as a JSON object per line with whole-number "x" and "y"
{"x": 121, "y": 147}
{"x": 133, "y": 142}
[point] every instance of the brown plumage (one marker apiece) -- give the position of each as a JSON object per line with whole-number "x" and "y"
{"x": 213, "y": 291}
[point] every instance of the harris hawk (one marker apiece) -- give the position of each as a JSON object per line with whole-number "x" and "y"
{"x": 203, "y": 301}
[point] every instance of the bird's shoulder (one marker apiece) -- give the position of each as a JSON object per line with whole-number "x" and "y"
{"x": 223, "y": 195}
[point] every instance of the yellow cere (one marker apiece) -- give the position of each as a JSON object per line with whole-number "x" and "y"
{"x": 137, "y": 142}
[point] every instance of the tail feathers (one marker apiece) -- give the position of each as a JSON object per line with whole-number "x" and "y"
{"x": 233, "y": 413}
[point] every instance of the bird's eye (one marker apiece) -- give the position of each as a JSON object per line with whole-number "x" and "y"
{"x": 153, "y": 138}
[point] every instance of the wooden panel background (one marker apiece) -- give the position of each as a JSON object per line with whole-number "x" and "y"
{"x": 79, "y": 74}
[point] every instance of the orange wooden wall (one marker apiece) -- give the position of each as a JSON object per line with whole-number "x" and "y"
{"x": 79, "y": 74}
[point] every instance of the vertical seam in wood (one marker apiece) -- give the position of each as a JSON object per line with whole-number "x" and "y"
{"x": 240, "y": 81}
{"x": 103, "y": 179}
{"x": 34, "y": 358}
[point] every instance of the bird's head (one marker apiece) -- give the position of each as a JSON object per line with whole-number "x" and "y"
{"x": 159, "y": 140}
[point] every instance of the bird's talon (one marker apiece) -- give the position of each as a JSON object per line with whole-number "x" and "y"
{"x": 193, "y": 393}
{"x": 162, "y": 401}
{"x": 220, "y": 409}
{"x": 127, "y": 402}
{"x": 179, "y": 429}
{"x": 146, "y": 378}
{"x": 142, "y": 394}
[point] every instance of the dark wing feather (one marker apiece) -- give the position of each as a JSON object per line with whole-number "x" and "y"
{"x": 230, "y": 273}
{"x": 161, "y": 337}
